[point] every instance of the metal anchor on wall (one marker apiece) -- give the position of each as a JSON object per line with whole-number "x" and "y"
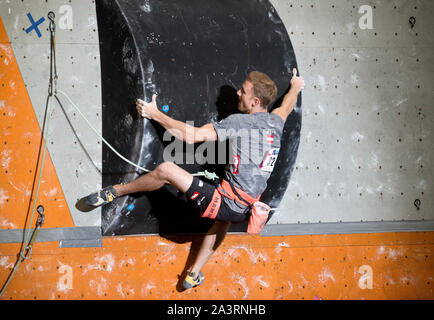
{"x": 412, "y": 22}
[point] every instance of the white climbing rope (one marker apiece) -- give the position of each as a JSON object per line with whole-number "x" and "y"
{"x": 206, "y": 174}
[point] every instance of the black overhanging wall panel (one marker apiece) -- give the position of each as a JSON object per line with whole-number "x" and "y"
{"x": 194, "y": 55}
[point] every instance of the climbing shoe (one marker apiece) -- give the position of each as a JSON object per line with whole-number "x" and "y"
{"x": 101, "y": 197}
{"x": 190, "y": 282}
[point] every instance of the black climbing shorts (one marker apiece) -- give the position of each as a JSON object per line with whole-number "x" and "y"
{"x": 210, "y": 202}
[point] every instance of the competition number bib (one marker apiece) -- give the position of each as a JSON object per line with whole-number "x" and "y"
{"x": 270, "y": 160}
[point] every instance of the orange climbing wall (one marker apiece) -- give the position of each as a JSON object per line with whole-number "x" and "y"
{"x": 358, "y": 266}
{"x": 20, "y": 137}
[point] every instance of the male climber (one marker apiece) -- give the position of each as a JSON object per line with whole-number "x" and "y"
{"x": 244, "y": 180}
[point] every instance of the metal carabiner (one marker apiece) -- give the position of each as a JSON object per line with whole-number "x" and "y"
{"x": 52, "y": 87}
{"x": 51, "y": 17}
{"x": 41, "y": 217}
{"x": 39, "y": 223}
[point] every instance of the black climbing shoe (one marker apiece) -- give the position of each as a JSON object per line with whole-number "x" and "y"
{"x": 101, "y": 197}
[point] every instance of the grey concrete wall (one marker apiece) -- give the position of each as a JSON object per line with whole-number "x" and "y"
{"x": 366, "y": 151}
